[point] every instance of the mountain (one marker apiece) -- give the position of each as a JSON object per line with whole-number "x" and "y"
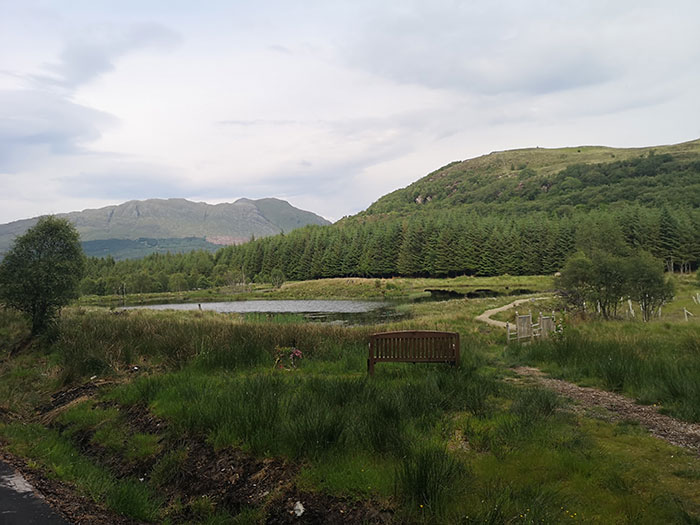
{"x": 177, "y": 224}
{"x": 539, "y": 179}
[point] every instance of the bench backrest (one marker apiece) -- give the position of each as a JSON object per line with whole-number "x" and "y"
{"x": 414, "y": 346}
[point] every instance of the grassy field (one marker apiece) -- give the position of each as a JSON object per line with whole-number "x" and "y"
{"x": 184, "y": 417}
{"x": 398, "y": 288}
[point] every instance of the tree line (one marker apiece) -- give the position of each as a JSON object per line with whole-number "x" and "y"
{"x": 435, "y": 243}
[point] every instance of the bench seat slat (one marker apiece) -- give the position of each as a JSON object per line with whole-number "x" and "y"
{"x": 413, "y": 346}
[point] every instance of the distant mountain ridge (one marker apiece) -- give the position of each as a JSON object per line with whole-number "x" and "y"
{"x": 226, "y": 223}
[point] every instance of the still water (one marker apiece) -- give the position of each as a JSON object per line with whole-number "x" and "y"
{"x": 347, "y": 312}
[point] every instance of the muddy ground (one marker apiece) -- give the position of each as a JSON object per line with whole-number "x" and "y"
{"x": 231, "y": 479}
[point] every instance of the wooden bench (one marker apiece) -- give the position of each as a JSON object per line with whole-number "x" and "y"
{"x": 413, "y": 346}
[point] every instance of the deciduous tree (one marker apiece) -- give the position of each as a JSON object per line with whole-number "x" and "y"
{"x": 42, "y": 271}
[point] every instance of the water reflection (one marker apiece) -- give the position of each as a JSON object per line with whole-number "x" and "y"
{"x": 345, "y": 312}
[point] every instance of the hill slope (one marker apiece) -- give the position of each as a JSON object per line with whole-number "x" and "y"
{"x": 538, "y": 179}
{"x": 153, "y": 219}
{"x": 519, "y": 212}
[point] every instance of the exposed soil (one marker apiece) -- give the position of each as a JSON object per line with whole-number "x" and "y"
{"x": 230, "y": 478}
{"x": 323, "y": 509}
{"x": 70, "y": 395}
{"x": 235, "y": 480}
{"x": 619, "y": 408}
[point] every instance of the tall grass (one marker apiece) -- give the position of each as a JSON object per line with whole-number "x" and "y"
{"x": 513, "y": 456}
{"x": 660, "y": 367}
{"x": 302, "y": 415}
{"x": 102, "y": 343}
{"x": 428, "y": 479}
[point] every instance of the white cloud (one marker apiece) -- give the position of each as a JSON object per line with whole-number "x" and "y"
{"x": 328, "y": 104}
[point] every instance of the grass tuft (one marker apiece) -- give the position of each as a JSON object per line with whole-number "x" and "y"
{"x": 426, "y": 479}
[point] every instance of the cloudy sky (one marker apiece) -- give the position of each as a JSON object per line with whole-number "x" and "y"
{"x": 328, "y": 104}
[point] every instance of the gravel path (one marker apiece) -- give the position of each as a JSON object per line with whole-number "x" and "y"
{"x": 486, "y": 316}
{"x": 619, "y": 407}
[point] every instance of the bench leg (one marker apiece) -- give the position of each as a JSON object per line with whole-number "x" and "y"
{"x": 370, "y": 367}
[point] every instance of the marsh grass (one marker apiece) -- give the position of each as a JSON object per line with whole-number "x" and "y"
{"x": 168, "y": 468}
{"x": 526, "y": 421}
{"x": 106, "y": 427}
{"x": 658, "y": 366}
{"x": 504, "y": 503}
{"x": 519, "y": 455}
{"x": 307, "y": 415}
{"x": 104, "y": 343}
{"x": 336, "y": 288}
{"x": 428, "y": 479}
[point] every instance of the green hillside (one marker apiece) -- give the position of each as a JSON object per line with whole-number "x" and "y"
{"x": 553, "y": 180}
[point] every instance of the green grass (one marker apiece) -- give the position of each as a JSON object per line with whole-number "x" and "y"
{"x": 464, "y": 443}
{"x": 655, "y": 364}
{"x": 397, "y": 288}
{"x": 305, "y": 415}
{"x": 428, "y": 479}
{"x": 62, "y": 460}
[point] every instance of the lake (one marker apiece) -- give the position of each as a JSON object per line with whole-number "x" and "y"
{"x": 346, "y": 312}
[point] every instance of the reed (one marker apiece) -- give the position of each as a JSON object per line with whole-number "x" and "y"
{"x": 653, "y": 369}
{"x": 428, "y": 479}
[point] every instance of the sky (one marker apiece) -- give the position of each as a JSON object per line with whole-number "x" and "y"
{"x": 327, "y": 104}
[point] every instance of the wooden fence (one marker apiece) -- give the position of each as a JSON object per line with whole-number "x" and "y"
{"x": 524, "y": 330}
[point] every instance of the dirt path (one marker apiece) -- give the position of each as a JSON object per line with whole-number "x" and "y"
{"x": 618, "y": 408}
{"x": 486, "y": 316}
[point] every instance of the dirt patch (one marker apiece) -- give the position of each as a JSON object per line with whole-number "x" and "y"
{"x": 323, "y": 509}
{"x": 136, "y": 419}
{"x": 229, "y": 477}
{"x": 62, "y": 497}
{"x": 235, "y": 480}
{"x": 70, "y": 395}
{"x": 619, "y": 408}
{"x": 140, "y": 419}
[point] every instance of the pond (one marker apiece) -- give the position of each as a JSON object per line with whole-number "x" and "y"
{"x": 345, "y": 312}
